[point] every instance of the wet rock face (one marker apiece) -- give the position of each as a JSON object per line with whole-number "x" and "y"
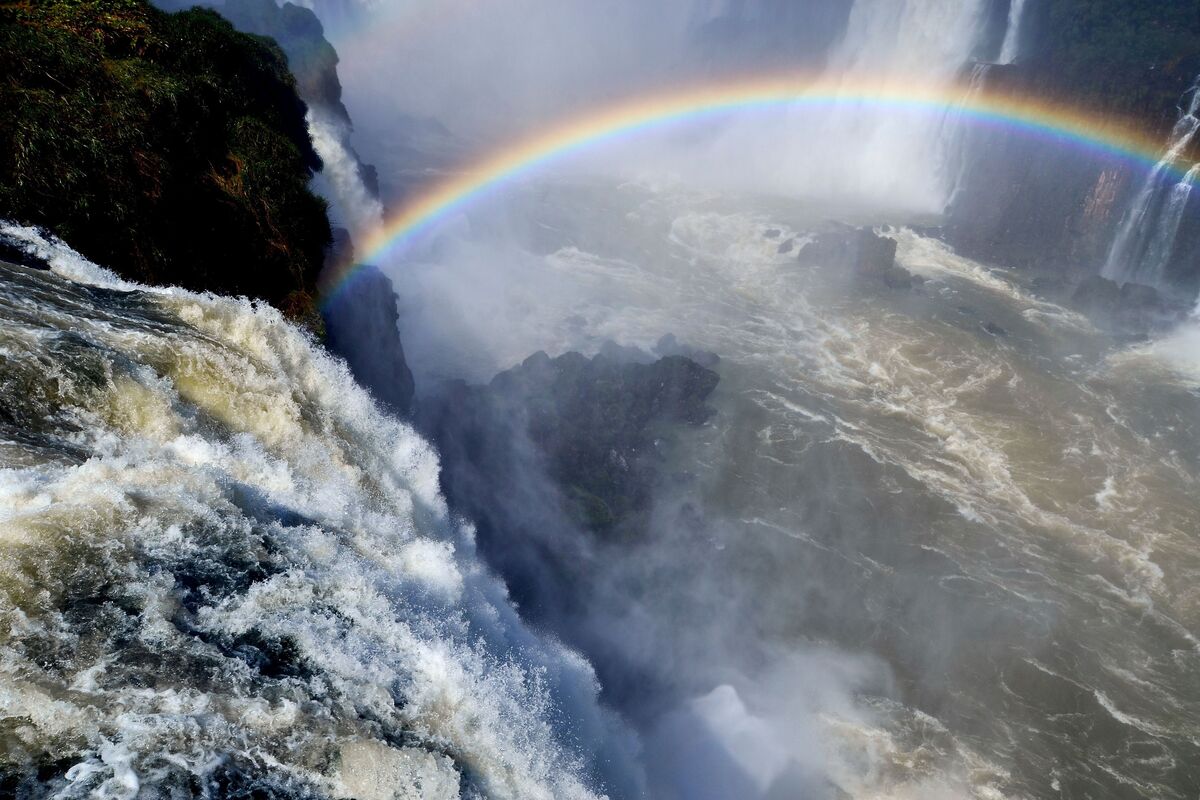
{"x": 1130, "y": 308}
{"x": 361, "y": 326}
{"x": 12, "y": 253}
{"x": 592, "y": 426}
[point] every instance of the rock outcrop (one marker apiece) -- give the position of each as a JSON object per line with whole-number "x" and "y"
{"x": 1055, "y": 208}
{"x": 168, "y": 146}
{"x": 1129, "y": 308}
{"x": 361, "y": 326}
{"x": 862, "y": 253}
{"x": 593, "y": 426}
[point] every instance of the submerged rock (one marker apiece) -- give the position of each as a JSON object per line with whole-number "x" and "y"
{"x": 862, "y": 253}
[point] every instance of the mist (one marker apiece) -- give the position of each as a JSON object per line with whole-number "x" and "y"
{"x": 785, "y": 616}
{"x": 630, "y": 430}
{"x": 692, "y": 626}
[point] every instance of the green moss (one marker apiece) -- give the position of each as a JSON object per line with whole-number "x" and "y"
{"x": 167, "y": 146}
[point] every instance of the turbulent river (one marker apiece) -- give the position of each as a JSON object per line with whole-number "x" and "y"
{"x": 949, "y": 540}
{"x": 952, "y": 544}
{"x": 225, "y": 573}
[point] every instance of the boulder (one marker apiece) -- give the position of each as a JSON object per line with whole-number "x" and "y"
{"x": 1097, "y": 295}
{"x": 860, "y": 249}
{"x": 897, "y": 278}
{"x": 592, "y": 427}
{"x": 862, "y": 253}
{"x": 1137, "y": 298}
{"x": 668, "y": 345}
{"x": 874, "y": 254}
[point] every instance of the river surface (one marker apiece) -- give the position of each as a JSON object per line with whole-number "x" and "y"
{"x": 961, "y": 523}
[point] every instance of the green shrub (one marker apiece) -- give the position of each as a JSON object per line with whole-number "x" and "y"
{"x": 168, "y": 147}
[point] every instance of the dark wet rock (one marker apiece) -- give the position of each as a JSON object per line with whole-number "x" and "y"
{"x": 13, "y": 252}
{"x": 361, "y": 326}
{"x": 593, "y": 427}
{"x": 668, "y": 345}
{"x": 860, "y": 251}
{"x": 1097, "y": 295}
{"x": 897, "y": 278}
{"x": 1137, "y": 298}
{"x": 786, "y": 247}
{"x": 773, "y": 233}
{"x": 995, "y": 330}
{"x": 1131, "y": 308}
{"x": 625, "y": 354}
{"x": 874, "y": 254}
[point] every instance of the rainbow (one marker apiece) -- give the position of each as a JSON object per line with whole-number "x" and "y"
{"x": 453, "y": 192}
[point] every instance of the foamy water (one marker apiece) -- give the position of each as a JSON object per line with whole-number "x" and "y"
{"x": 224, "y": 568}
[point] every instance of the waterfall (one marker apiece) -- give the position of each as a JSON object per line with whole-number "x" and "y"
{"x": 1012, "y": 35}
{"x": 954, "y": 143}
{"x": 354, "y": 204}
{"x": 1146, "y": 238}
{"x": 1162, "y": 242}
{"x": 892, "y": 159}
{"x": 230, "y": 574}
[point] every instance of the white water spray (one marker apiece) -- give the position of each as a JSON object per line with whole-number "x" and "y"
{"x": 224, "y": 563}
{"x": 353, "y": 203}
{"x": 1011, "y": 48}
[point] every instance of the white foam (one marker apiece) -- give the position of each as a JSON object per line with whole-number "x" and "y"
{"x": 235, "y": 438}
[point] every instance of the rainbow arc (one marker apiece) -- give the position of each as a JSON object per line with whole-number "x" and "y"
{"x": 628, "y": 118}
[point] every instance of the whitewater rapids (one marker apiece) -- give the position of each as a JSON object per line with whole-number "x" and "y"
{"x": 225, "y": 572}
{"x": 961, "y": 480}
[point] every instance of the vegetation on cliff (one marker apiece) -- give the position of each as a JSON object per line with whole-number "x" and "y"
{"x": 169, "y": 147}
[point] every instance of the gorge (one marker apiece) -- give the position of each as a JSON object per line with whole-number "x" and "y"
{"x": 703, "y": 399}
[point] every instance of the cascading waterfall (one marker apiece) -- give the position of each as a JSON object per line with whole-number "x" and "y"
{"x": 227, "y": 573}
{"x": 1146, "y": 238}
{"x": 878, "y": 159}
{"x": 1010, "y": 49}
{"x": 354, "y": 205}
{"x": 954, "y": 140}
{"x": 1162, "y": 242}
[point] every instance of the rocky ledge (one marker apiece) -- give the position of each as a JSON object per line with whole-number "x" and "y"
{"x": 594, "y": 427}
